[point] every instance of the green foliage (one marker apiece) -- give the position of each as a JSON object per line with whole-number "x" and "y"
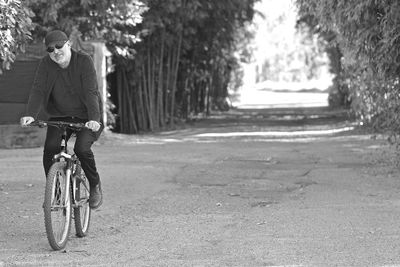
{"x": 15, "y": 27}
{"x": 218, "y": 40}
{"x": 312, "y": 20}
{"x": 111, "y": 21}
{"x": 367, "y": 32}
{"x": 185, "y": 62}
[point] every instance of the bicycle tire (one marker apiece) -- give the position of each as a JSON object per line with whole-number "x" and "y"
{"x": 57, "y": 206}
{"x": 82, "y": 212}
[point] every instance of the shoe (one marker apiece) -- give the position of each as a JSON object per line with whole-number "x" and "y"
{"x": 96, "y": 197}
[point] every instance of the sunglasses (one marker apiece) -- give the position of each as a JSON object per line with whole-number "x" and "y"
{"x": 50, "y": 49}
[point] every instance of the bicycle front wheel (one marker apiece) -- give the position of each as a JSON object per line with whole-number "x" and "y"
{"x": 57, "y": 206}
{"x": 81, "y": 209}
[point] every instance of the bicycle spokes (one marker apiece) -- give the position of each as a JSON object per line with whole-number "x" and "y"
{"x": 81, "y": 208}
{"x": 57, "y": 206}
{"x": 57, "y": 200}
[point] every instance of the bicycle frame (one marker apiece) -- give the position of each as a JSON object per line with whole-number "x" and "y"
{"x": 71, "y": 160}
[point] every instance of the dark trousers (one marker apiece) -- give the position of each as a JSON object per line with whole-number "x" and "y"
{"x": 83, "y": 143}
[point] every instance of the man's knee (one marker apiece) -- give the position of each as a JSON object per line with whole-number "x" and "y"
{"x": 83, "y": 152}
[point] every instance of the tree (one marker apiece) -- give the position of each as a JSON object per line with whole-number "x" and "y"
{"x": 310, "y": 14}
{"x": 15, "y": 30}
{"x": 111, "y": 21}
{"x": 184, "y": 63}
{"x": 368, "y": 36}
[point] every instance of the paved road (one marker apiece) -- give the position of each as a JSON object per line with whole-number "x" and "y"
{"x": 202, "y": 196}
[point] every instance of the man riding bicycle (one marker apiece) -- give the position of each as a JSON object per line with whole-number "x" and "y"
{"x": 65, "y": 85}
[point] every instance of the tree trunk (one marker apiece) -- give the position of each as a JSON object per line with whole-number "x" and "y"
{"x": 160, "y": 106}
{"x": 140, "y": 106}
{"x": 146, "y": 100}
{"x": 168, "y": 84}
{"x": 175, "y": 77}
{"x": 150, "y": 91}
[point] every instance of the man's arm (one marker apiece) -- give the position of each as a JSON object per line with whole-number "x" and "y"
{"x": 90, "y": 89}
{"x": 91, "y": 94}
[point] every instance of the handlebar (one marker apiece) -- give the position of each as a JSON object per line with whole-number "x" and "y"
{"x": 59, "y": 124}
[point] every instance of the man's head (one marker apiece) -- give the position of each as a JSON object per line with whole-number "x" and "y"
{"x": 58, "y": 47}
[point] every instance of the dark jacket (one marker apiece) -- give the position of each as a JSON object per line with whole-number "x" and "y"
{"x": 84, "y": 80}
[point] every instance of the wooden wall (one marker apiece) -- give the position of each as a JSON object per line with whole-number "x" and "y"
{"x": 14, "y": 90}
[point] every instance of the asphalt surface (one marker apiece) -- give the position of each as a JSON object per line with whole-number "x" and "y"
{"x": 288, "y": 187}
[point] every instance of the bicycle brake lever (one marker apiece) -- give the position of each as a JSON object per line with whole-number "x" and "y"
{"x": 39, "y": 124}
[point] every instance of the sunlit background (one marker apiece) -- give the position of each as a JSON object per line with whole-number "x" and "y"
{"x": 288, "y": 69}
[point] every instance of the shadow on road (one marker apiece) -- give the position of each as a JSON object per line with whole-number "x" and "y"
{"x": 288, "y": 117}
{"x": 261, "y": 124}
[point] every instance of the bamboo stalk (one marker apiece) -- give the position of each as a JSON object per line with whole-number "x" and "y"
{"x": 132, "y": 121}
{"x": 149, "y": 91}
{"x": 146, "y": 100}
{"x": 153, "y": 94}
{"x": 160, "y": 108}
{"x": 140, "y": 105}
{"x": 120, "y": 98}
{"x": 167, "y": 83}
{"x": 174, "y": 85}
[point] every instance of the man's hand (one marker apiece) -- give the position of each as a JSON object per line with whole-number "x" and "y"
{"x": 25, "y": 121}
{"x": 93, "y": 125}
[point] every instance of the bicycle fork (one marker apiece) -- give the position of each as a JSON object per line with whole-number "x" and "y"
{"x": 67, "y": 182}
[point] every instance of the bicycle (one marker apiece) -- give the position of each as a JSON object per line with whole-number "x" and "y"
{"x": 67, "y": 187}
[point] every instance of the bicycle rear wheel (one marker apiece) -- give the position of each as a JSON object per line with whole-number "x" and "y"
{"x": 57, "y": 206}
{"x": 82, "y": 210}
